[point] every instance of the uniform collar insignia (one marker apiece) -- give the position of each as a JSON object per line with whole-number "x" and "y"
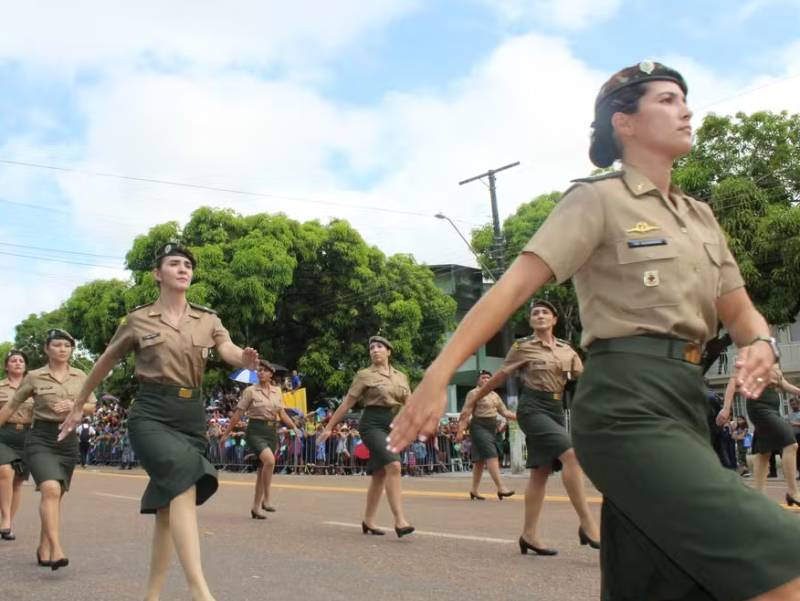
{"x": 642, "y": 228}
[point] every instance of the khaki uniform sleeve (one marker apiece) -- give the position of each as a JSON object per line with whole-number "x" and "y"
{"x": 219, "y": 333}
{"x": 357, "y": 387}
{"x": 246, "y": 400}
{"x": 514, "y": 360}
{"x": 571, "y": 233}
{"x": 577, "y": 366}
{"x": 729, "y": 274}
{"x": 281, "y": 404}
{"x": 123, "y": 342}
{"x": 468, "y": 401}
{"x": 22, "y": 394}
{"x": 498, "y": 402}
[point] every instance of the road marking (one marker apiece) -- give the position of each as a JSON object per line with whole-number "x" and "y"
{"x": 105, "y": 494}
{"x": 351, "y": 489}
{"x": 480, "y": 539}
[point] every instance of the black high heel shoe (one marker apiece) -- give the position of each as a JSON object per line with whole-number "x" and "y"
{"x": 585, "y": 540}
{"x": 501, "y": 495}
{"x": 524, "y": 546}
{"x": 269, "y": 508}
{"x": 59, "y": 563}
{"x": 790, "y": 500}
{"x": 45, "y": 563}
{"x": 6, "y": 533}
{"x": 474, "y": 497}
{"x": 257, "y": 516}
{"x": 401, "y": 532}
{"x": 367, "y": 530}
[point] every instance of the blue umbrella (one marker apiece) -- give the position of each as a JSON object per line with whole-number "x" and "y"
{"x": 245, "y": 376}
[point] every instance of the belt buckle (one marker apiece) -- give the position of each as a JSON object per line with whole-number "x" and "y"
{"x": 19, "y": 427}
{"x": 692, "y": 353}
{"x": 556, "y": 396}
{"x": 185, "y": 393}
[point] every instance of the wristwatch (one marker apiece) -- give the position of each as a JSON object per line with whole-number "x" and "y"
{"x": 772, "y": 344}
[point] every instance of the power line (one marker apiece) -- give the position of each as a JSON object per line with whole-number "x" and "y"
{"x": 54, "y": 260}
{"x": 56, "y": 250}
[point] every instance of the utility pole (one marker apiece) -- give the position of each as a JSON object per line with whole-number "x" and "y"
{"x": 508, "y": 339}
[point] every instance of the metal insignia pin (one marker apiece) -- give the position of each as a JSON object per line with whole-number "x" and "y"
{"x": 647, "y": 67}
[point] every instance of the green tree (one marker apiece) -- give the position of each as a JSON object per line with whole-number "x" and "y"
{"x": 4, "y": 348}
{"x": 32, "y": 332}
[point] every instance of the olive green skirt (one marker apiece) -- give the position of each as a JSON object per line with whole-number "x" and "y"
{"x": 374, "y": 428}
{"x": 168, "y": 436}
{"x": 12, "y": 448}
{"x": 675, "y": 523}
{"x": 772, "y": 432}
{"x": 48, "y": 459}
{"x": 261, "y": 435}
{"x": 482, "y": 434}
{"x": 541, "y": 419}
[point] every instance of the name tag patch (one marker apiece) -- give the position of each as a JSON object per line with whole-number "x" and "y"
{"x": 151, "y": 336}
{"x": 646, "y": 242}
{"x": 651, "y": 278}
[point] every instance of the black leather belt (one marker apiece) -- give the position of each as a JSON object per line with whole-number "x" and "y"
{"x": 670, "y": 348}
{"x": 170, "y": 390}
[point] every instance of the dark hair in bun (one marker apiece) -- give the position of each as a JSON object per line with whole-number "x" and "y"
{"x": 604, "y": 148}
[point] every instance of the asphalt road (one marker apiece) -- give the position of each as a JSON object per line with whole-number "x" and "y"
{"x": 312, "y": 547}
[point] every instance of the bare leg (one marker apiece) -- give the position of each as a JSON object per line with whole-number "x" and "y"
{"x": 789, "y": 463}
{"x": 760, "y": 466}
{"x": 186, "y": 537}
{"x": 374, "y": 492}
{"x": 6, "y": 495}
{"x": 493, "y": 465}
{"x": 534, "y": 499}
{"x": 394, "y": 494}
{"x": 49, "y": 511}
{"x": 258, "y": 494}
{"x": 477, "y": 474}
{"x": 572, "y": 477}
{"x": 267, "y": 469}
{"x": 786, "y": 592}
{"x": 16, "y": 497}
{"x": 160, "y": 555}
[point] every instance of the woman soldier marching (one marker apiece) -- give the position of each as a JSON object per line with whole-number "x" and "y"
{"x": 13, "y": 471}
{"x": 51, "y": 459}
{"x": 262, "y": 403}
{"x": 171, "y": 339}
{"x": 653, "y": 275}
{"x": 383, "y": 390}
{"x": 771, "y": 431}
{"x": 483, "y": 434}
{"x": 546, "y": 365}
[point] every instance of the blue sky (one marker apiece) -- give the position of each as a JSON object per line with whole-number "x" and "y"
{"x": 347, "y": 105}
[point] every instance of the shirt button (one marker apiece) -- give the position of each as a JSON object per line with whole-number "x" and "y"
{"x": 684, "y": 230}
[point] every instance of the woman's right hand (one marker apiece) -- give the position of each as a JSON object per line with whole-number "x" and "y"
{"x": 323, "y": 436}
{"x": 459, "y": 436}
{"x": 724, "y": 416}
{"x": 420, "y": 415}
{"x": 70, "y": 424}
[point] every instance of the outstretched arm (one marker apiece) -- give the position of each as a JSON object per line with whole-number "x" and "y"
{"x": 238, "y": 357}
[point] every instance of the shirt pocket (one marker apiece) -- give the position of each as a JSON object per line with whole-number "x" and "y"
{"x": 648, "y": 275}
{"x": 201, "y": 344}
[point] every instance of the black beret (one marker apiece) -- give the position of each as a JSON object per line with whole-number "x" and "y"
{"x": 263, "y": 363}
{"x": 382, "y": 340}
{"x": 174, "y": 249}
{"x": 643, "y": 72}
{"x": 540, "y": 302}
{"x": 484, "y": 372}
{"x": 59, "y": 334}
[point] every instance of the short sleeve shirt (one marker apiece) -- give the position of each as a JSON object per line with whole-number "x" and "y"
{"x": 640, "y": 264}
{"x": 488, "y": 406}
{"x": 376, "y": 388}
{"x": 257, "y": 403}
{"x": 167, "y": 354}
{"x": 47, "y": 391}
{"x": 542, "y": 366}
{"x": 24, "y": 413}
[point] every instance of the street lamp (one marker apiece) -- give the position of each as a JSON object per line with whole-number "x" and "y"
{"x": 472, "y": 250}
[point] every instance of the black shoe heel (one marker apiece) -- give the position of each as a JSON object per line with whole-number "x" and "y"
{"x": 367, "y": 530}
{"x": 42, "y": 562}
{"x": 585, "y": 540}
{"x": 257, "y": 516}
{"x": 59, "y": 563}
{"x": 474, "y": 497}
{"x": 8, "y": 535}
{"x": 525, "y": 546}
{"x": 790, "y": 500}
{"x": 401, "y": 532}
{"x": 501, "y": 495}
{"x": 269, "y": 508}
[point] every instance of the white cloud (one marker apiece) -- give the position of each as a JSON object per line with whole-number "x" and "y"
{"x": 561, "y": 14}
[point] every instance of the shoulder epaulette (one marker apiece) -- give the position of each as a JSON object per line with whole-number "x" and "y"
{"x": 563, "y": 341}
{"x": 202, "y": 308}
{"x": 519, "y": 341}
{"x": 142, "y": 306}
{"x": 598, "y": 177}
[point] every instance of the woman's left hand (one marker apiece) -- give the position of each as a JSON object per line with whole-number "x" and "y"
{"x": 753, "y": 367}
{"x": 68, "y": 425}
{"x": 249, "y": 358}
{"x": 723, "y": 416}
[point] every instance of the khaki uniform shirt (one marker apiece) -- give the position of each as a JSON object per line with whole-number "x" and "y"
{"x": 256, "y": 403}
{"x": 488, "y": 406}
{"x": 166, "y": 354}
{"x": 376, "y": 389}
{"x": 640, "y": 264}
{"x": 24, "y": 413}
{"x": 46, "y": 391}
{"x": 543, "y": 367}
